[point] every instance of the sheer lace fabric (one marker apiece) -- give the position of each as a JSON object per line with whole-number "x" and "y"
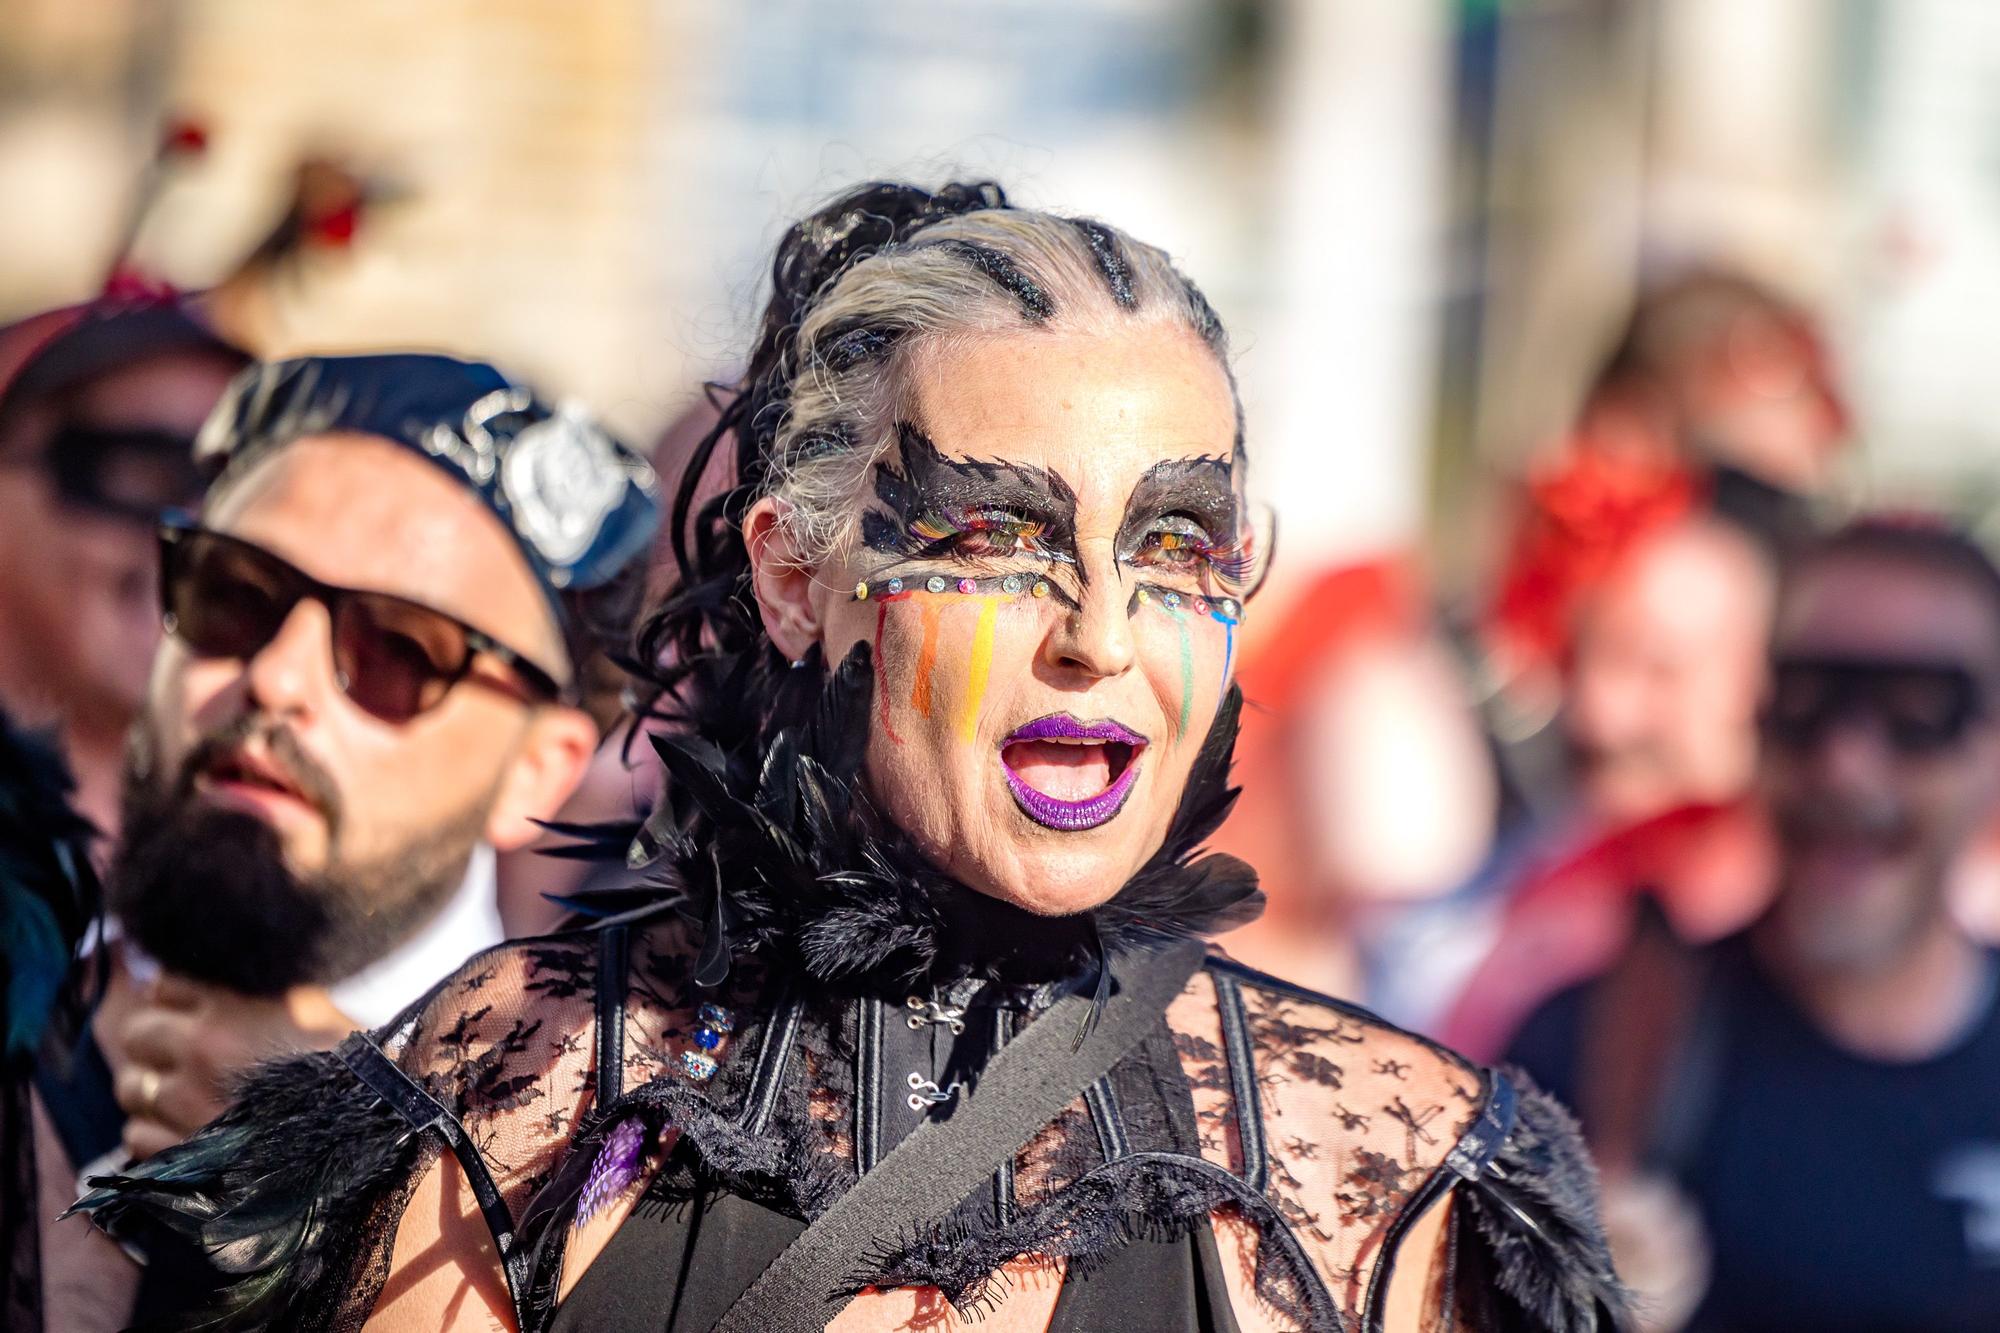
{"x": 1354, "y": 1117}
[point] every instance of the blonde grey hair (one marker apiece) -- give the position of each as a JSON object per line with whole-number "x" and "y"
{"x": 962, "y": 276}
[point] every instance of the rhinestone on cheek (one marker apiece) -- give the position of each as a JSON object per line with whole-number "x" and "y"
{"x": 935, "y": 583}
{"x": 861, "y": 591}
{"x": 895, "y": 585}
{"x": 1041, "y": 588}
{"x": 1011, "y": 584}
{"x": 968, "y": 587}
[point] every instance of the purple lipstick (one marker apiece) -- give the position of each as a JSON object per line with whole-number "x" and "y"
{"x": 1057, "y": 742}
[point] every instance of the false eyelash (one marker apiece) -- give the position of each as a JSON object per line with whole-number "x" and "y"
{"x": 1231, "y": 561}
{"x": 935, "y": 531}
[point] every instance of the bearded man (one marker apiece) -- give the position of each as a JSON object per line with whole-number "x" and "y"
{"x": 384, "y": 641}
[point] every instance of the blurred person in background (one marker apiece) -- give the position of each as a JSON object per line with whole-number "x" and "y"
{"x": 99, "y": 404}
{"x": 1661, "y": 687}
{"x": 382, "y": 634}
{"x": 1632, "y": 611}
{"x": 1368, "y": 789}
{"x": 1718, "y": 397}
{"x": 1744, "y": 389}
{"x": 1808, "y": 1111}
{"x": 48, "y": 900}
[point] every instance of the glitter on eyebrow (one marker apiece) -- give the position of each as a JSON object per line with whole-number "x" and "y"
{"x": 982, "y": 664}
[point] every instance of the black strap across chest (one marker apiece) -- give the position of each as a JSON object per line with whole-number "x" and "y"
{"x": 1027, "y": 1085}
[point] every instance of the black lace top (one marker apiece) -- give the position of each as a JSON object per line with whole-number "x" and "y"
{"x": 810, "y": 993}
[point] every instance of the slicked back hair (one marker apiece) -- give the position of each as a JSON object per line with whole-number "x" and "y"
{"x": 858, "y": 289}
{"x": 973, "y": 274}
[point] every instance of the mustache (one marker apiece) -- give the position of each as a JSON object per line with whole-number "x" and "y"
{"x": 314, "y": 783}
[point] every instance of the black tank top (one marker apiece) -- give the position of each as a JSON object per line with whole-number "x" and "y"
{"x": 680, "y": 1260}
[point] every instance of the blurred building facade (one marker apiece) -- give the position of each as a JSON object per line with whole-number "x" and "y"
{"x": 1421, "y": 220}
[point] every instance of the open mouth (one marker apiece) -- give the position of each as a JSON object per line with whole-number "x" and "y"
{"x": 1069, "y": 775}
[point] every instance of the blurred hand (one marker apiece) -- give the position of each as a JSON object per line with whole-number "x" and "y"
{"x": 1660, "y": 1248}
{"x": 185, "y": 1043}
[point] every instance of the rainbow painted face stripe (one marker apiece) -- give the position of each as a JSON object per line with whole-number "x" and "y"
{"x": 934, "y": 592}
{"x": 1182, "y": 521}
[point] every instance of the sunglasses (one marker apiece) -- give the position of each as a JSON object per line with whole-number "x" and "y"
{"x": 136, "y": 475}
{"x": 1920, "y": 708}
{"x": 394, "y": 658}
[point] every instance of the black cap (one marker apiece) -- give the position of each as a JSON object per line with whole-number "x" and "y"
{"x": 580, "y": 505}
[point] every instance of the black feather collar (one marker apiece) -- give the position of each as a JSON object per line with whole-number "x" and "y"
{"x": 776, "y": 849}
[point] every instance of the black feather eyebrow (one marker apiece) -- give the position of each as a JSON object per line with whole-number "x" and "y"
{"x": 925, "y": 481}
{"x": 1204, "y": 488}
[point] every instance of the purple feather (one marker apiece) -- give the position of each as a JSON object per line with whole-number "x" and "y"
{"x": 616, "y": 1167}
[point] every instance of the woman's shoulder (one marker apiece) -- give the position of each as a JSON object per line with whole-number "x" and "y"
{"x": 535, "y": 1002}
{"x": 296, "y": 1191}
{"x": 1320, "y": 1053}
{"x": 1353, "y": 1127}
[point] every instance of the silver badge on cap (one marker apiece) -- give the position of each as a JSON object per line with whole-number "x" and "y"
{"x": 562, "y": 477}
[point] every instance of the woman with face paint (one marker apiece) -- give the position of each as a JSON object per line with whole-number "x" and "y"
{"x": 904, "y": 1021}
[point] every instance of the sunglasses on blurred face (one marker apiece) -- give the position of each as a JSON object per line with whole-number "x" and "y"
{"x": 1919, "y": 708}
{"x": 394, "y": 658}
{"x": 135, "y": 475}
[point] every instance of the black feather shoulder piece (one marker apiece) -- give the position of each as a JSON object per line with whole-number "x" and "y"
{"x": 48, "y": 890}
{"x": 277, "y": 1194}
{"x": 775, "y": 847}
{"x": 1537, "y": 1262}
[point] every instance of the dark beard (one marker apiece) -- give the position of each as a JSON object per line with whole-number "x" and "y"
{"x": 207, "y": 892}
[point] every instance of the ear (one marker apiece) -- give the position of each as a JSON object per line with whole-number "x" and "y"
{"x": 782, "y": 581}
{"x": 545, "y": 770}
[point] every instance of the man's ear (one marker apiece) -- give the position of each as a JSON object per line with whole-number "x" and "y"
{"x": 782, "y": 581}
{"x": 543, "y": 774}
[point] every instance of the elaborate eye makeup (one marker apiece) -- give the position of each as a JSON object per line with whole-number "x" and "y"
{"x": 1181, "y": 549}
{"x": 979, "y": 535}
{"x": 1184, "y": 523}
{"x": 934, "y": 508}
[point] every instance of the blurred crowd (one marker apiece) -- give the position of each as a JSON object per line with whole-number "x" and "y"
{"x": 1691, "y": 815}
{"x": 1689, "y": 812}
{"x": 1686, "y": 806}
